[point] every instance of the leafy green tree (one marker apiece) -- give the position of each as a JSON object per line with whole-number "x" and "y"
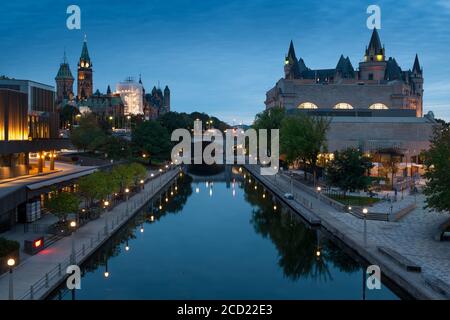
{"x": 437, "y": 162}
{"x": 174, "y": 120}
{"x": 139, "y": 172}
{"x": 123, "y": 176}
{"x": 304, "y": 137}
{"x": 83, "y": 135}
{"x": 68, "y": 114}
{"x": 348, "y": 169}
{"x": 269, "y": 119}
{"x": 152, "y": 139}
{"x": 97, "y": 186}
{"x": 63, "y": 204}
{"x": 113, "y": 147}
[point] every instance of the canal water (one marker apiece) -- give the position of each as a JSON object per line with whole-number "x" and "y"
{"x": 222, "y": 237}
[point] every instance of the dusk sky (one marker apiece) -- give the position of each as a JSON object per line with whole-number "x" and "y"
{"x": 221, "y": 57}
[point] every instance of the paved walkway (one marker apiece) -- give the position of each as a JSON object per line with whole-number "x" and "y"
{"x": 412, "y": 237}
{"x": 53, "y": 260}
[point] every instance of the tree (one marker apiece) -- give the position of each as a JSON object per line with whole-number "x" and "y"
{"x": 304, "y": 137}
{"x": 269, "y": 119}
{"x": 139, "y": 172}
{"x": 348, "y": 169}
{"x": 123, "y": 176}
{"x": 63, "y": 204}
{"x": 113, "y": 147}
{"x": 390, "y": 158}
{"x": 83, "y": 135}
{"x": 97, "y": 186}
{"x": 174, "y": 120}
{"x": 67, "y": 114}
{"x": 151, "y": 139}
{"x": 437, "y": 162}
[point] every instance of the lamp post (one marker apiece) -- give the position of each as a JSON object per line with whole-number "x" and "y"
{"x": 142, "y": 184}
{"x": 160, "y": 176}
{"x": 106, "y": 204}
{"x": 319, "y": 189}
{"x": 11, "y": 263}
{"x": 127, "y": 191}
{"x": 73, "y": 225}
{"x": 365, "y": 211}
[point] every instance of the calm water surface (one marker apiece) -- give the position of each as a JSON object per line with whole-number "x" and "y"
{"x": 221, "y": 240}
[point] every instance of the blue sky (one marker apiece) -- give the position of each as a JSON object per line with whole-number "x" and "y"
{"x": 220, "y": 57}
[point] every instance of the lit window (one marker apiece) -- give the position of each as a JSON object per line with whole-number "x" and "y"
{"x": 378, "y": 106}
{"x": 343, "y": 106}
{"x": 379, "y": 57}
{"x": 307, "y": 105}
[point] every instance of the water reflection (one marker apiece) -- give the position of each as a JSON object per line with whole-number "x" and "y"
{"x": 203, "y": 244}
{"x": 303, "y": 253}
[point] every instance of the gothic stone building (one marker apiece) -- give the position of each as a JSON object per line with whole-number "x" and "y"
{"x": 377, "y": 106}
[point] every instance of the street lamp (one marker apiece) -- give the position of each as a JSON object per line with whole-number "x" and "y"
{"x": 11, "y": 263}
{"x": 106, "y": 204}
{"x": 365, "y": 211}
{"x": 73, "y": 225}
{"x": 126, "y": 197}
{"x": 142, "y": 184}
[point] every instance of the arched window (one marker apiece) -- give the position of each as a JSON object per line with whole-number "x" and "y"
{"x": 343, "y": 106}
{"x": 307, "y": 105}
{"x": 378, "y": 106}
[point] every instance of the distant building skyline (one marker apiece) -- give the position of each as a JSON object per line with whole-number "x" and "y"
{"x": 220, "y": 57}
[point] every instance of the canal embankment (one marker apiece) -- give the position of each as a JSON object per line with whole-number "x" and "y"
{"x": 40, "y": 274}
{"x": 408, "y": 240}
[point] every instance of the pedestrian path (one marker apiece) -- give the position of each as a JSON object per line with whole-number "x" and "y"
{"x": 412, "y": 237}
{"x": 39, "y": 274}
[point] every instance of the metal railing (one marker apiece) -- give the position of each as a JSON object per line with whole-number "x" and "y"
{"x": 58, "y": 273}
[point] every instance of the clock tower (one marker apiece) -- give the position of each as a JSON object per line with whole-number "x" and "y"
{"x": 85, "y": 83}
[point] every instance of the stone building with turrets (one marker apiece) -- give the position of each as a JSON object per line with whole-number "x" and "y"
{"x": 375, "y": 107}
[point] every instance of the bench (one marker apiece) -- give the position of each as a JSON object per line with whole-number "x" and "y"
{"x": 400, "y": 260}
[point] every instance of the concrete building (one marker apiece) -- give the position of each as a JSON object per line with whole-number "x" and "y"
{"x": 29, "y": 123}
{"x": 376, "y": 107}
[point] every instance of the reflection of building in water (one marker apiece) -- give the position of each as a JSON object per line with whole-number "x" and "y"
{"x": 131, "y": 93}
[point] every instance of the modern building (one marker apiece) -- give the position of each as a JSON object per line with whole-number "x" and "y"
{"x": 376, "y": 107}
{"x": 29, "y": 123}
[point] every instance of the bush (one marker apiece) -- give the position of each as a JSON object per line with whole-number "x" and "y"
{"x": 8, "y": 247}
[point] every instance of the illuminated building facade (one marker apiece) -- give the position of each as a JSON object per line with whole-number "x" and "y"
{"x": 132, "y": 94}
{"x": 85, "y": 82}
{"x": 378, "y": 106}
{"x": 28, "y": 124}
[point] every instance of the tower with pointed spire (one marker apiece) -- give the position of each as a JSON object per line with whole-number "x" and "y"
{"x": 373, "y": 68}
{"x": 291, "y": 67}
{"x": 85, "y": 81}
{"x": 416, "y": 77}
{"x": 379, "y": 84}
{"x": 64, "y": 81}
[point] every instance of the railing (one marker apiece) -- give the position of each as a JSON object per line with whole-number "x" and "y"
{"x": 55, "y": 275}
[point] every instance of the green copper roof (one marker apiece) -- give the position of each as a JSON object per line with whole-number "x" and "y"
{"x": 85, "y": 52}
{"x": 64, "y": 72}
